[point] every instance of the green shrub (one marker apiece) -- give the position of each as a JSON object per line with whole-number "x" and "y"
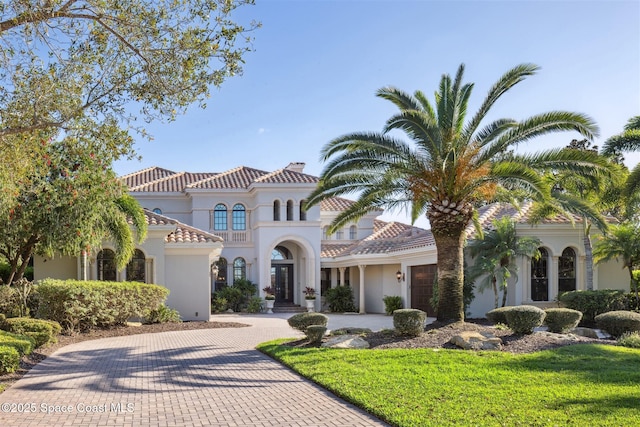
{"x": 22, "y": 343}
{"x": 630, "y": 339}
{"x": 522, "y": 319}
{"x": 9, "y": 301}
{"x": 42, "y": 331}
{"x": 9, "y": 359}
{"x": 618, "y": 322}
{"x": 562, "y": 320}
{"x": 498, "y": 315}
{"x": 5, "y": 270}
{"x": 302, "y": 321}
{"x": 163, "y": 314}
{"x": 315, "y": 333}
{"x": 255, "y": 305}
{"x": 409, "y": 321}
{"x": 219, "y": 304}
{"x": 592, "y": 303}
{"x": 340, "y": 299}
{"x": 392, "y": 303}
{"x": 83, "y": 305}
{"x": 233, "y": 296}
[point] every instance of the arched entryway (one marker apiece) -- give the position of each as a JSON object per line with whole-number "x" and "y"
{"x": 282, "y": 274}
{"x": 293, "y": 265}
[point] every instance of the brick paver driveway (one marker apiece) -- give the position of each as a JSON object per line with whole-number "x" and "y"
{"x": 210, "y": 377}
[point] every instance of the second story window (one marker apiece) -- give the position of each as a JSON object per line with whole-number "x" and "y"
{"x": 276, "y": 210}
{"x": 303, "y": 213}
{"x": 239, "y": 217}
{"x": 220, "y": 217}
{"x": 353, "y": 232}
{"x": 289, "y": 210}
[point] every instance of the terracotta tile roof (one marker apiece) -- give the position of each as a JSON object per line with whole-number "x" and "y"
{"x": 172, "y": 183}
{"x": 240, "y": 177}
{"x": 145, "y": 176}
{"x": 287, "y": 176}
{"x": 387, "y": 237}
{"x": 183, "y": 233}
{"x": 337, "y": 204}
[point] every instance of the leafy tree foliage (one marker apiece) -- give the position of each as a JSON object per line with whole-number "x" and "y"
{"x": 450, "y": 166}
{"x": 69, "y": 202}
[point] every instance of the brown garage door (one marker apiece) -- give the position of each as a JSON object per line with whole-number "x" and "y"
{"x": 422, "y": 278}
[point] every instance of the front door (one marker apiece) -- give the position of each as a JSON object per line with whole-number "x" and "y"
{"x": 282, "y": 282}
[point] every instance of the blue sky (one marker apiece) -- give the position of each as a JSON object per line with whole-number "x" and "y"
{"x": 316, "y": 66}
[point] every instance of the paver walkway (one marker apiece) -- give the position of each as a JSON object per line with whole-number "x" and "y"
{"x": 209, "y": 377}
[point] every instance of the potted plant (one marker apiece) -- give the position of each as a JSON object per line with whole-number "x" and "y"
{"x": 310, "y": 298}
{"x": 269, "y": 298}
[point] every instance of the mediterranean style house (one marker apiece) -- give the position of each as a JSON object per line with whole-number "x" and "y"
{"x": 208, "y": 229}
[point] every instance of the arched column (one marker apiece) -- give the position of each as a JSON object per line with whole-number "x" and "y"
{"x": 342, "y": 271}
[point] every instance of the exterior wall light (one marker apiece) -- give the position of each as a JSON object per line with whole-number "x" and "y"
{"x": 400, "y": 276}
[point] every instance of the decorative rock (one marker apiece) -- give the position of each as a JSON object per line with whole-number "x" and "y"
{"x": 585, "y": 332}
{"x": 346, "y": 341}
{"x": 351, "y": 331}
{"x": 471, "y": 340}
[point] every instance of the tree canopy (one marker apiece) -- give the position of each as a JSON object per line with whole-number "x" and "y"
{"x": 450, "y": 165}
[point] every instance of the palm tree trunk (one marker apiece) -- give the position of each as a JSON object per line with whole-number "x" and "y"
{"x": 494, "y": 282}
{"x": 588, "y": 259}
{"x": 504, "y": 294}
{"x": 449, "y": 244}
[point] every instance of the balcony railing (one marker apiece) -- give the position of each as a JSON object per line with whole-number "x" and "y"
{"x": 233, "y": 236}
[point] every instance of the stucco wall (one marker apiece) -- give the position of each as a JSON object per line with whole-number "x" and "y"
{"x": 187, "y": 278}
{"x": 60, "y": 267}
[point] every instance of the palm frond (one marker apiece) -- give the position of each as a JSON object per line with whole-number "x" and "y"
{"x": 403, "y": 100}
{"x": 629, "y": 140}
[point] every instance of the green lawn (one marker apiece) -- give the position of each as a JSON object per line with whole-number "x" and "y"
{"x": 582, "y": 385}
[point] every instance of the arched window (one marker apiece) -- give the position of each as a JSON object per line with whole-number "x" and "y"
{"x": 289, "y": 210}
{"x": 220, "y": 217}
{"x": 325, "y": 230}
{"x": 157, "y": 210}
{"x": 276, "y": 210}
{"x": 353, "y": 232}
{"x": 239, "y": 269}
{"x": 136, "y": 267}
{"x": 303, "y": 213}
{"x": 106, "y": 261}
{"x": 340, "y": 234}
{"x": 221, "y": 278}
{"x": 239, "y": 218}
{"x": 280, "y": 253}
{"x": 567, "y": 271}
{"x": 540, "y": 277}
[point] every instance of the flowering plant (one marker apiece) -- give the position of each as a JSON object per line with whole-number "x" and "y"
{"x": 309, "y": 293}
{"x": 269, "y": 293}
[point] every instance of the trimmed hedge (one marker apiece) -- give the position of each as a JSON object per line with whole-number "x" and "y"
{"x": 302, "y": 321}
{"x": 22, "y": 343}
{"x": 42, "y": 331}
{"x": 9, "y": 359}
{"x": 163, "y": 314}
{"x": 562, "y": 320}
{"x": 522, "y": 319}
{"x": 315, "y": 333}
{"x": 593, "y": 303}
{"x": 618, "y": 322}
{"x": 83, "y": 305}
{"x": 497, "y": 315}
{"x": 409, "y": 321}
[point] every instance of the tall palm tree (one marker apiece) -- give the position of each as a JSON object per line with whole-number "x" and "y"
{"x": 495, "y": 256}
{"x": 628, "y": 140}
{"x": 622, "y": 241}
{"x": 449, "y": 166}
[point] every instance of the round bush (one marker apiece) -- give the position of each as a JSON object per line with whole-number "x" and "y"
{"x": 562, "y": 320}
{"x": 315, "y": 333}
{"x": 618, "y": 322}
{"x": 9, "y": 359}
{"x": 630, "y": 339}
{"x": 409, "y": 321}
{"x": 522, "y": 319}
{"x": 497, "y": 315}
{"x": 302, "y": 321}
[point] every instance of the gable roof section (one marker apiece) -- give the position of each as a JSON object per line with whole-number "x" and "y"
{"x": 182, "y": 233}
{"x": 336, "y": 204}
{"x": 287, "y": 176}
{"x": 145, "y": 176}
{"x": 172, "y": 183}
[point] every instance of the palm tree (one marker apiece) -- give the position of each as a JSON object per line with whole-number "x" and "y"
{"x": 622, "y": 241}
{"x": 628, "y": 140}
{"x": 449, "y": 166}
{"x": 495, "y": 256}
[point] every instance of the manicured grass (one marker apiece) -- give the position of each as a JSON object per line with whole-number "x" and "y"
{"x": 581, "y": 385}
